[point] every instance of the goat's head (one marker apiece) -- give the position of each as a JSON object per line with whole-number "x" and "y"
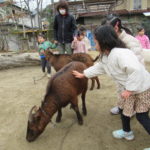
{"x": 48, "y": 54}
{"x": 37, "y": 122}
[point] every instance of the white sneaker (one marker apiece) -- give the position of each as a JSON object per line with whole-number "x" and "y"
{"x": 48, "y": 75}
{"x": 119, "y": 134}
{"x": 146, "y": 149}
{"x": 115, "y": 110}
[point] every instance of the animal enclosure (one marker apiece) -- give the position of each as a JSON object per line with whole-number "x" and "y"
{"x": 18, "y": 94}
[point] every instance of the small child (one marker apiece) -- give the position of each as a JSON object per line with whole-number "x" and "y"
{"x": 144, "y": 40}
{"x": 131, "y": 43}
{"x": 85, "y": 39}
{"x": 131, "y": 76}
{"x": 44, "y": 45}
{"x": 78, "y": 44}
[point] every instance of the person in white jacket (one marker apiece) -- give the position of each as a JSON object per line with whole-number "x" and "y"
{"x": 133, "y": 79}
{"x": 131, "y": 42}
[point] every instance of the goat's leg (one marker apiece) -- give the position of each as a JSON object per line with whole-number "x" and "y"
{"x": 80, "y": 120}
{"x": 83, "y": 102}
{"x": 59, "y": 115}
{"x": 76, "y": 109}
{"x": 98, "y": 82}
{"x": 71, "y": 107}
{"x": 92, "y": 84}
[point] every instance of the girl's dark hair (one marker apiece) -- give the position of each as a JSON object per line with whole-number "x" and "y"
{"x": 62, "y": 4}
{"x": 107, "y": 38}
{"x": 83, "y": 29}
{"x": 140, "y": 28}
{"x": 113, "y": 20}
{"x": 78, "y": 33}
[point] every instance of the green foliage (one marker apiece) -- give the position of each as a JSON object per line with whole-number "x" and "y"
{"x": 48, "y": 14}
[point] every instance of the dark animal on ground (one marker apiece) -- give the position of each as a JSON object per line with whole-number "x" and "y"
{"x": 62, "y": 89}
{"x": 60, "y": 60}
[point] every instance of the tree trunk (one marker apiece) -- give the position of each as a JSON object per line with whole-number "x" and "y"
{"x": 18, "y": 60}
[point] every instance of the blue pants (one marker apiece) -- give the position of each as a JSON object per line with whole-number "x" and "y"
{"x": 45, "y": 64}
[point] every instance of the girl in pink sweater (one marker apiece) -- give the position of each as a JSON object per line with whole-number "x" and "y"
{"x": 144, "y": 40}
{"x": 78, "y": 45}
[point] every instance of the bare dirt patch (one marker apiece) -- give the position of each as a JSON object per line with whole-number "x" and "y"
{"x": 18, "y": 94}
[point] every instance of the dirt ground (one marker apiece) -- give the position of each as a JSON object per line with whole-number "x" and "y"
{"x": 18, "y": 94}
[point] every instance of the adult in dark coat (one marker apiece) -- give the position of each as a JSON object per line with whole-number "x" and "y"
{"x": 64, "y": 28}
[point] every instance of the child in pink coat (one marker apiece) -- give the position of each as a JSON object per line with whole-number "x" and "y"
{"x": 144, "y": 40}
{"x": 78, "y": 45}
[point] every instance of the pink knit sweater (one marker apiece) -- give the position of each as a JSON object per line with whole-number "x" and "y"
{"x": 79, "y": 47}
{"x": 144, "y": 40}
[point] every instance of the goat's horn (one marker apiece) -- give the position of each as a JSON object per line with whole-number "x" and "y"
{"x": 30, "y": 113}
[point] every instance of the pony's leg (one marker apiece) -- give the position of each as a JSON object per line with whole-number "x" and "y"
{"x": 84, "y": 110}
{"x": 76, "y": 109}
{"x": 98, "y": 82}
{"x": 59, "y": 115}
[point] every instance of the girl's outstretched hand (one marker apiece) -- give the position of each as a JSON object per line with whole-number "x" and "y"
{"x": 126, "y": 94}
{"x": 78, "y": 74}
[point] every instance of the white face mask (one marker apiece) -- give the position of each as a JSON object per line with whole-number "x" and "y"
{"x": 62, "y": 11}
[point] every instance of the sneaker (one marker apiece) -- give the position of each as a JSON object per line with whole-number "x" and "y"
{"x": 119, "y": 134}
{"x": 146, "y": 149}
{"x": 48, "y": 75}
{"x": 115, "y": 110}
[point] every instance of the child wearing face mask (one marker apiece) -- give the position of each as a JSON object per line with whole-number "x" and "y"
{"x": 64, "y": 28}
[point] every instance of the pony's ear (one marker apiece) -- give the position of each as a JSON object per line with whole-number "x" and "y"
{"x": 49, "y": 51}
